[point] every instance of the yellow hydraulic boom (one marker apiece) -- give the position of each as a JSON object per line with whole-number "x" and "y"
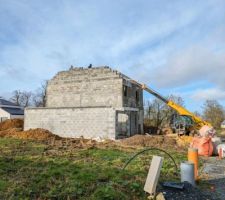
{"x": 198, "y": 122}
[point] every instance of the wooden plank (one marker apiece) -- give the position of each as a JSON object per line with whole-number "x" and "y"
{"x": 153, "y": 175}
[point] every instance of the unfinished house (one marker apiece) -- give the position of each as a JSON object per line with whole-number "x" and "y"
{"x": 90, "y": 102}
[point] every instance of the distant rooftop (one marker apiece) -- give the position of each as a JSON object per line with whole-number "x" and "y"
{"x": 4, "y": 102}
{"x": 14, "y": 111}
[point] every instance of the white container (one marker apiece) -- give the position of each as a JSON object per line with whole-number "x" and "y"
{"x": 222, "y": 147}
{"x": 187, "y": 172}
{"x": 216, "y": 141}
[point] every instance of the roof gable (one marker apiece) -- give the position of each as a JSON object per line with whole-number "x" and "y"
{"x": 4, "y": 102}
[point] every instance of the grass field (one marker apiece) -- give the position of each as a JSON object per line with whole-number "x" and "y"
{"x": 28, "y": 170}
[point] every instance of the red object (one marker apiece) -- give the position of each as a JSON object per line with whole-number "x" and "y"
{"x": 204, "y": 145}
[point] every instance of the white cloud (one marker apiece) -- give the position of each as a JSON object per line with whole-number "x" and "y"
{"x": 192, "y": 65}
{"x": 208, "y": 94}
{"x": 154, "y": 42}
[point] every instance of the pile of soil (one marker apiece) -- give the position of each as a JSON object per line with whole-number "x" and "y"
{"x": 14, "y": 128}
{"x": 222, "y": 133}
{"x": 149, "y": 140}
{"x": 184, "y": 141}
{"x": 34, "y": 134}
{"x": 11, "y": 123}
{"x": 167, "y": 130}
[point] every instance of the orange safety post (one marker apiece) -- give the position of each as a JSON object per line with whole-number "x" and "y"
{"x": 193, "y": 157}
{"x": 220, "y": 153}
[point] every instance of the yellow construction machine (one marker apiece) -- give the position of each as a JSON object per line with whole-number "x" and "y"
{"x": 185, "y": 122}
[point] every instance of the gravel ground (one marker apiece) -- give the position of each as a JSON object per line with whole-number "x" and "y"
{"x": 211, "y": 187}
{"x": 214, "y": 170}
{"x": 188, "y": 193}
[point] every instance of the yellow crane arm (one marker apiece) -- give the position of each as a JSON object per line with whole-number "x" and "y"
{"x": 181, "y": 110}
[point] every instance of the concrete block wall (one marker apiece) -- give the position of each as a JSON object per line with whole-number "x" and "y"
{"x": 80, "y": 87}
{"x": 73, "y": 122}
{"x": 83, "y": 102}
{"x": 134, "y": 98}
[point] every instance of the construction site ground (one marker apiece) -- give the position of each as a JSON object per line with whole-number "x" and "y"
{"x": 37, "y": 164}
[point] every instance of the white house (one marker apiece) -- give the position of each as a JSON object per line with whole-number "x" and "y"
{"x": 9, "y": 110}
{"x": 223, "y": 124}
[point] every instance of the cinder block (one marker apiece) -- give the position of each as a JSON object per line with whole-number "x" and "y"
{"x": 153, "y": 175}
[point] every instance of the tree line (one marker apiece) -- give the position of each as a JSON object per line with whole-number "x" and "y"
{"x": 158, "y": 114}
{"x": 29, "y": 98}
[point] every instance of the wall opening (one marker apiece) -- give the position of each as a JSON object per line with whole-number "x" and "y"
{"x": 122, "y": 125}
{"x": 133, "y": 123}
{"x": 125, "y": 90}
{"x": 137, "y": 97}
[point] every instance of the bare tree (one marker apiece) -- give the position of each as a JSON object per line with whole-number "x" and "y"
{"x": 22, "y": 99}
{"x": 16, "y": 97}
{"x": 170, "y": 112}
{"x": 39, "y": 98}
{"x": 158, "y": 114}
{"x": 26, "y": 98}
{"x": 214, "y": 113}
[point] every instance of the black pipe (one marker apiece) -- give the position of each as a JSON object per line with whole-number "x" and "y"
{"x": 150, "y": 149}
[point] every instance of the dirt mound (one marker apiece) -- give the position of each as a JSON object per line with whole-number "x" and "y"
{"x": 34, "y": 134}
{"x": 222, "y": 133}
{"x": 14, "y": 129}
{"x": 184, "y": 141}
{"x": 11, "y": 123}
{"x": 148, "y": 140}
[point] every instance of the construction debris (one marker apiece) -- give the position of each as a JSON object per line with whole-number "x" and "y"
{"x": 149, "y": 140}
{"x": 184, "y": 141}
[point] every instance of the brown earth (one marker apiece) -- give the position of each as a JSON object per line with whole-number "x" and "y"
{"x": 33, "y": 134}
{"x": 11, "y": 123}
{"x": 184, "y": 141}
{"x": 14, "y": 129}
{"x": 149, "y": 141}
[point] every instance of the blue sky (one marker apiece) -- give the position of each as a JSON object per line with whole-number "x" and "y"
{"x": 176, "y": 47}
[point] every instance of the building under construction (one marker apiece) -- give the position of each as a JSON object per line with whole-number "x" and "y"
{"x": 91, "y": 102}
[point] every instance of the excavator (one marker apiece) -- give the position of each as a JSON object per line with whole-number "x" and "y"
{"x": 184, "y": 122}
